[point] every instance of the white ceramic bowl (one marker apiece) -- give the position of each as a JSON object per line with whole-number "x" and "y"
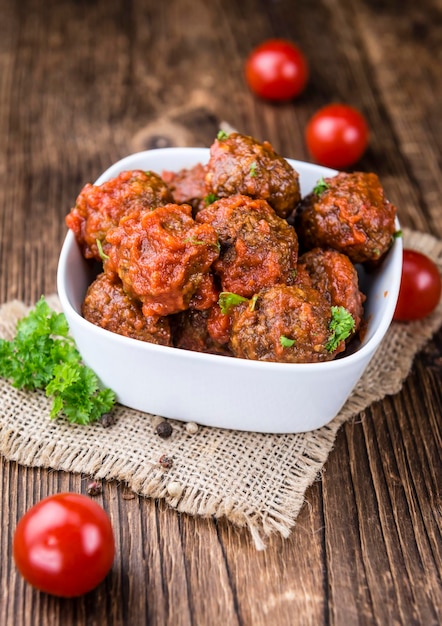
{"x": 215, "y": 390}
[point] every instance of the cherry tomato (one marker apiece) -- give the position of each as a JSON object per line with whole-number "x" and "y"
{"x": 276, "y": 70}
{"x": 337, "y": 136}
{"x": 64, "y": 545}
{"x": 420, "y": 289}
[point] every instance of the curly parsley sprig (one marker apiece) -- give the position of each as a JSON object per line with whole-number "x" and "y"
{"x": 42, "y": 355}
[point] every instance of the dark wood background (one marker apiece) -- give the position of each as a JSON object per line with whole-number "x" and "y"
{"x": 84, "y": 83}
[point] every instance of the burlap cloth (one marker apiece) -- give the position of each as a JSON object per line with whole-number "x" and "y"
{"x": 254, "y": 480}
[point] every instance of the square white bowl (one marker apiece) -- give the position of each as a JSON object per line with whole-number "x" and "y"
{"x": 213, "y": 390}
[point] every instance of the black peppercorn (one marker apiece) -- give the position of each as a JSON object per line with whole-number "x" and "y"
{"x": 107, "y": 419}
{"x": 164, "y": 430}
{"x": 165, "y": 461}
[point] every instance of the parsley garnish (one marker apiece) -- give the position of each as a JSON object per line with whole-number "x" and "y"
{"x": 194, "y": 241}
{"x": 253, "y": 302}
{"x": 227, "y": 300}
{"x": 397, "y": 234}
{"x": 320, "y": 186}
{"x": 253, "y": 167}
{"x": 341, "y": 326}
{"x": 42, "y": 355}
{"x": 221, "y": 135}
{"x": 286, "y": 342}
{"x": 200, "y": 242}
{"x": 101, "y": 252}
{"x": 210, "y": 198}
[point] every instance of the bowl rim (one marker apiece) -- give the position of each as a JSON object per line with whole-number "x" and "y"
{"x": 362, "y": 353}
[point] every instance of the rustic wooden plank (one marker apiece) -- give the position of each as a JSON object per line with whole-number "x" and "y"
{"x": 284, "y": 584}
{"x": 350, "y": 598}
{"x": 386, "y": 529}
{"x": 403, "y": 44}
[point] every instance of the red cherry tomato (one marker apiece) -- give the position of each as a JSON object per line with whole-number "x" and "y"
{"x": 64, "y": 545}
{"x": 276, "y": 70}
{"x": 420, "y": 289}
{"x": 337, "y": 136}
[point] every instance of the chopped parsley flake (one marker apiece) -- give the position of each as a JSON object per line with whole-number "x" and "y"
{"x": 253, "y": 167}
{"x": 342, "y": 324}
{"x": 286, "y": 342}
{"x": 320, "y": 186}
{"x": 227, "y": 300}
{"x": 221, "y": 135}
{"x": 210, "y": 199}
{"x": 253, "y": 302}
{"x": 102, "y": 254}
{"x": 194, "y": 241}
{"x": 200, "y": 242}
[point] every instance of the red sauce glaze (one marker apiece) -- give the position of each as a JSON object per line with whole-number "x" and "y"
{"x": 258, "y": 248}
{"x": 100, "y": 207}
{"x": 219, "y": 325}
{"x": 162, "y": 257}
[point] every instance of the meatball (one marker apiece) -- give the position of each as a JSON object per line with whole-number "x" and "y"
{"x": 108, "y": 306}
{"x": 188, "y": 186}
{"x": 258, "y": 248}
{"x": 163, "y": 258}
{"x": 239, "y": 164}
{"x": 190, "y": 331}
{"x": 287, "y": 324}
{"x": 100, "y": 207}
{"x": 335, "y": 276}
{"x": 350, "y": 213}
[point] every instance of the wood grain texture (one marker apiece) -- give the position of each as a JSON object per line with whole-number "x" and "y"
{"x": 82, "y": 84}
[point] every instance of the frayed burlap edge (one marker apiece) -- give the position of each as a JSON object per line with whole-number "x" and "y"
{"x": 254, "y": 480}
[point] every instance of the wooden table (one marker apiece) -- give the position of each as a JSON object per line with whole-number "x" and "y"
{"x": 82, "y": 84}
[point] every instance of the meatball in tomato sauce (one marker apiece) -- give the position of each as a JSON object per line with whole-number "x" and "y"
{"x": 98, "y": 208}
{"x": 239, "y": 164}
{"x": 191, "y": 331}
{"x": 335, "y": 276}
{"x": 350, "y": 213}
{"x": 188, "y": 186}
{"x": 163, "y": 258}
{"x": 286, "y": 324}
{"x": 258, "y": 248}
{"x": 107, "y": 305}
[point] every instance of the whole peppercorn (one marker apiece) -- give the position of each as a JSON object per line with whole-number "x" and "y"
{"x": 191, "y": 428}
{"x": 165, "y": 461}
{"x": 174, "y": 489}
{"x": 94, "y": 488}
{"x": 107, "y": 420}
{"x": 164, "y": 430}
